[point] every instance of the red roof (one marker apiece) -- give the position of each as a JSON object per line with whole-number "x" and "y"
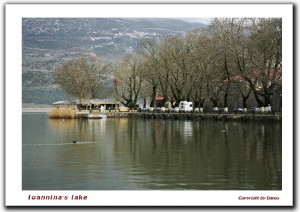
{"x": 257, "y": 72}
{"x": 159, "y": 98}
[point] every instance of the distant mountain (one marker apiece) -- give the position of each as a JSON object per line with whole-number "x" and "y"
{"x": 107, "y": 36}
{"x": 47, "y": 41}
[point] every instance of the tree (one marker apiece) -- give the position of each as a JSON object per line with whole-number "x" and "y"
{"x": 176, "y": 70}
{"x": 72, "y": 76}
{"x": 266, "y": 58}
{"x": 251, "y": 51}
{"x": 238, "y": 42}
{"x": 225, "y": 33}
{"x": 255, "y": 46}
{"x": 201, "y": 58}
{"x": 128, "y": 79}
{"x": 99, "y": 70}
{"x": 228, "y": 61}
{"x": 151, "y": 66}
{"x": 81, "y": 77}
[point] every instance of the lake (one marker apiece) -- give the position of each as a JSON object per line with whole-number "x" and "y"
{"x": 149, "y": 154}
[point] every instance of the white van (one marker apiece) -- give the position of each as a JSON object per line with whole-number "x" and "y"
{"x": 185, "y": 106}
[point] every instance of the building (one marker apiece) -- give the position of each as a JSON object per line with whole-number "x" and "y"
{"x": 104, "y": 104}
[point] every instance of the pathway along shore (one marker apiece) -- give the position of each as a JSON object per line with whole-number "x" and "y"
{"x": 196, "y": 116}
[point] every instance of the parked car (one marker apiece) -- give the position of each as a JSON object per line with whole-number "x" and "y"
{"x": 238, "y": 110}
{"x": 145, "y": 110}
{"x": 219, "y": 109}
{"x": 157, "y": 110}
{"x": 253, "y": 109}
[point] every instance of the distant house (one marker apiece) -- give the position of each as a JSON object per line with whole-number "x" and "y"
{"x": 159, "y": 100}
{"x": 106, "y": 104}
{"x": 162, "y": 102}
{"x": 98, "y": 104}
{"x": 64, "y": 104}
{"x": 83, "y": 104}
{"x": 271, "y": 75}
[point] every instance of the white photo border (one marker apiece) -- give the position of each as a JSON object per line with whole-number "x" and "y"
{"x": 15, "y": 196}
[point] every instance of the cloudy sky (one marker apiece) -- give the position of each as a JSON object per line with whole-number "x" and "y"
{"x": 201, "y": 20}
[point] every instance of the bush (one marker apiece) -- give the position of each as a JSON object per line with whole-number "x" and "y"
{"x": 62, "y": 113}
{"x": 132, "y": 105}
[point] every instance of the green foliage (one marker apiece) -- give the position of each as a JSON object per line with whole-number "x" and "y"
{"x": 132, "y": 105}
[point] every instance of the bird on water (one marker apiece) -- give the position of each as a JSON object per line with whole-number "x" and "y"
{"x": 74, "y": 142}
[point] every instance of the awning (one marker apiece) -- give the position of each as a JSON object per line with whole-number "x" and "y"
{"x": 61, "y": 103}
{"x": 104, "y": 101}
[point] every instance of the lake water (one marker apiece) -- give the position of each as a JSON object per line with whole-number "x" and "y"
{"x": 138, "y": 154}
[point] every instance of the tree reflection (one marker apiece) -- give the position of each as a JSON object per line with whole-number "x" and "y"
{"x": 173, "y": 154}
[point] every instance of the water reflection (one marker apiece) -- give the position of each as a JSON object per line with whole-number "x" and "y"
{"x": 150, "y": 154}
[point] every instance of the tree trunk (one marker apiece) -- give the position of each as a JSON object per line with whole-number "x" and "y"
{"x": 145, "y": 102}
{"x": 226, "y": 100}
{"x": 245, "y": 101}
{"x": 153, "y": 102}
{"x": 258, "y": 100}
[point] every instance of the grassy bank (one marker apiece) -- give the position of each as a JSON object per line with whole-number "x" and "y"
{"x": 61, "y": 113}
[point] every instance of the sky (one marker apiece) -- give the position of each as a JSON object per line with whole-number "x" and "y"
{"x": 200, "y": 20}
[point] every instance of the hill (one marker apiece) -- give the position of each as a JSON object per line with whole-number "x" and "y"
{"x": 48, "y": 41}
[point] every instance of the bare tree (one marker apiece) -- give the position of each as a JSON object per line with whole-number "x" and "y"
{"x": 224, "y": 31}
{"x": 266, "y": 57}
{"x": 72, "y": 76}
{"x": 152, "y": 68}
{"x": 81, "y": 77}
{"x": 234, "y": 56}
{"x": 128, "y": 79}
{"x": 201, "y": 58}
{"x": 99, "y": 70}
{"x": 177, "y": 71}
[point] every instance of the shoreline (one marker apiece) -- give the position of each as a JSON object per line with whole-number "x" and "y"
{"x": 36, "y": 108}
{"x": 242, "y": 117}
{"x": 210, "y": 116}
{"x": 193, "y": 116}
